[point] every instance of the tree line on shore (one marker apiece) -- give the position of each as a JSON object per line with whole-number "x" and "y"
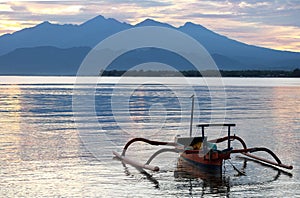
{"x": 209, "y": 73}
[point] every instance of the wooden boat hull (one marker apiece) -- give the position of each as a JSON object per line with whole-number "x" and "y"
{"x": 210, "y": 162}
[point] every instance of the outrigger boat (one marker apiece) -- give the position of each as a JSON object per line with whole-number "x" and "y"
{"x": 201, "y": 153}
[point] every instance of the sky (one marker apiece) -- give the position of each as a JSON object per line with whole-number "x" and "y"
{"x": 268, "y": 23}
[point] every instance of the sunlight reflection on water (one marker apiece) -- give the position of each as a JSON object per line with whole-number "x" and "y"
{"x": 42, "y": 155}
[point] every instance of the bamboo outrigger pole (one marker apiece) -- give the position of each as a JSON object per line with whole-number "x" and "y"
{"x": 192, "y": 115}
{"x": 268, "y": 161}
{"x": 136, "y": 164}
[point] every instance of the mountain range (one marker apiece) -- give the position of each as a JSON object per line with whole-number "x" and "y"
{"x": 54, "y": 49}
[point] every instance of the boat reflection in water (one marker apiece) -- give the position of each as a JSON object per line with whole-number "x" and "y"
{"x": 201, "y": 182}
{"x": 207, "y": 182}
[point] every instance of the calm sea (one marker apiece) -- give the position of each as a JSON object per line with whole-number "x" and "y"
{"x": 57, "y": 141}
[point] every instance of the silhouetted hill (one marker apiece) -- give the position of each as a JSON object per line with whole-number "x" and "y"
{"x": 87, "y": 34}
{"x": 54, "y": 49}
{"x": 43, "y": 61}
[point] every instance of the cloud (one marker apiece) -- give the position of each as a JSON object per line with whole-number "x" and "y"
{"x": 271, "y": 12}
{"x": 145, "y": 3}
{"x": 284, "y": 13}
{"x": 212, "y": 15}
{"x": 18, "y": 8}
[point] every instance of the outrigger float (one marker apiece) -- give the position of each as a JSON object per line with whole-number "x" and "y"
{"x": 201, "y": 153}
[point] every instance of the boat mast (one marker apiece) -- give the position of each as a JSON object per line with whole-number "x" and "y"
{"x": 192, "y": 115}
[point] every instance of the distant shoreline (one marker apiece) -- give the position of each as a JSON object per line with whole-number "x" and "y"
{"x": 189, "y": 73}
{"x": 208, "y": 73}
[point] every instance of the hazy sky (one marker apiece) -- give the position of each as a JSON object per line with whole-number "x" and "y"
{"x": 269, "y": 23}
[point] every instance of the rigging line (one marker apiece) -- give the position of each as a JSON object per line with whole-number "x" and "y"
{"x": 237, "y": 170}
